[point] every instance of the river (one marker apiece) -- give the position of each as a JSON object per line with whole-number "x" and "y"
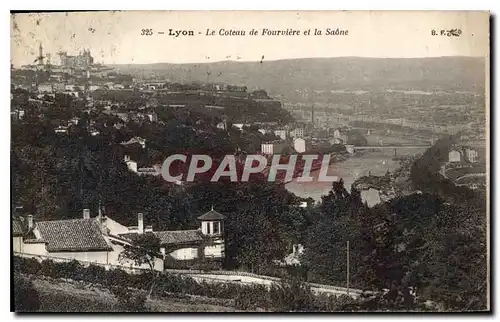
{"x": 376, "y": 162}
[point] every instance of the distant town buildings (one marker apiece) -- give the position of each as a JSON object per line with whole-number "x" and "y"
{"x": 135, "y": 140}
{"x": 61, "y": 129}
{"x": 273, "y": 147}
{"x": 297, "y": 132}
{"x": 281, "y": 133}
{"x": 46, "y": 88}
{"x": 131, "y": 164}
{"x": 83, "y": 59}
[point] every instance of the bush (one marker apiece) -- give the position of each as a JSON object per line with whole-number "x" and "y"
{"x": 26, "y": 298}
{"x": 130, "y": 301}
{"x": 292, "y": 294}
{"x": 27, "y": 265}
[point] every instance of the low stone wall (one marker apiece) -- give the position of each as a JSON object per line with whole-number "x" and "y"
{"x": 263, "y": 277}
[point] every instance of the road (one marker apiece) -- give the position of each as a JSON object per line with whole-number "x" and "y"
{"x": 268, "y": 281}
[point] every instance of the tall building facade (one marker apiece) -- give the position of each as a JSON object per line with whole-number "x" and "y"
{"x": 84, "y": 59}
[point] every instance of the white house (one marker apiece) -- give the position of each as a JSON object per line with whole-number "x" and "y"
{"x": 101, "y": 240}
{"x": 86, "y": 239}
{"x": 299, "y": 145}
{"x": 61, "y": 129}
{"x": 273, "y": 147}
{"x": 131, "y": 164}
{"x": 135, "y": 140}
{"x": 371, "y": 197}
{"x": 281, "y": 133}
{"x": 239, "y": 126}
{"x": 222, "y": 125}
{"x": 454, "y": 156}
{"x": 297, "y": 133}
{"x": 205, "y": 243}
{"x": 472, "y": 155}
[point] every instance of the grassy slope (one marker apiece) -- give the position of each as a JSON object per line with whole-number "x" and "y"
{"x": 62, "y": 296}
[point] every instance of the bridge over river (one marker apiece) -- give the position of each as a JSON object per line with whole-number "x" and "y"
{"x": 417, "y": 147}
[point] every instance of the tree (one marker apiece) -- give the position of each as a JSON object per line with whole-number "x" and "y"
{"x": 292, "y": 294}
{"x": 144, "y": 250}
{"x": 417, "y": 249}
{"x": 336, "y": 222}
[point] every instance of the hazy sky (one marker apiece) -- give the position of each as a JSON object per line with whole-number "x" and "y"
{"x": 115, "y": 37}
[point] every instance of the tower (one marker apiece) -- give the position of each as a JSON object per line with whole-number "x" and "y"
{"x": 212, "y": 223}
{"x": 40, "y": 55}
{"x": 212, "y": 232}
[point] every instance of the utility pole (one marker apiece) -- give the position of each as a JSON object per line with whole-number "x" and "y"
{"x": 347, "y": 268}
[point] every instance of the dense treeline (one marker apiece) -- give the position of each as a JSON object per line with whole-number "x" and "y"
{"x": 55, "y": 176}
{"x": 410, "y": 250}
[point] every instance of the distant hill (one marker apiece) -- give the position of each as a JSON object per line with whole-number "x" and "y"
{"x": 329, "y": 74}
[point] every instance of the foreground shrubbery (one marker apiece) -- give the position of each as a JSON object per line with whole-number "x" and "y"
{"x": 131, "y": 289}
{"x": 26, "y": 298}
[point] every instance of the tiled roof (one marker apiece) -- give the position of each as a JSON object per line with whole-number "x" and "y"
{"x": 212, "y": 215}
{"x": 17, "y": 227}
{"x": 179, "y": 236}
{"x": 72, "y": 235}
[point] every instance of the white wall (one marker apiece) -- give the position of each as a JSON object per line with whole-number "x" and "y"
{"x": 454, "y": 156}
{"x": 267, "y": 148}
{"x": 114, "y": 227}
{"x": 103, "y": 257}
{"x": 185, "y": 253}
{"x": 281, "y": 134}
{"x": 371, "y": 197}
{"x": 99, "y": 257}
{"x": 35, "y": 249}
{"x": 17, "y": 244}
{"x": 299, "y": 145}
{"x": 132, "y": 165}
{"x": 214, "y": 251}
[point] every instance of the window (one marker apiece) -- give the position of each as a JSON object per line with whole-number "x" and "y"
{"x": 208, "y": 228}
{"x": 216, "y": 227}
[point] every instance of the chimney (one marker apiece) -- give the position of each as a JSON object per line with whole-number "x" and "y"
{"x": 86, "y": 213}
{"x": 140, "y": 223}
{"x": 30, "y": 222}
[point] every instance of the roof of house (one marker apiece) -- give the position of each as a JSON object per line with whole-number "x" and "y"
{"x": 72, "y": 235}
{"x": 17, "y": 227}
{"x": 179, "y": 236}
{"x": 212, "y": 215}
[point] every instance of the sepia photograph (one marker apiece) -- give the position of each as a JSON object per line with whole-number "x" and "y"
{"x": 250, "y": 161}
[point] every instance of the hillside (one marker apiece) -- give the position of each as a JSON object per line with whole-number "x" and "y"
{"x": 343, "y": 73}
{"x": 71, "y": 296}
